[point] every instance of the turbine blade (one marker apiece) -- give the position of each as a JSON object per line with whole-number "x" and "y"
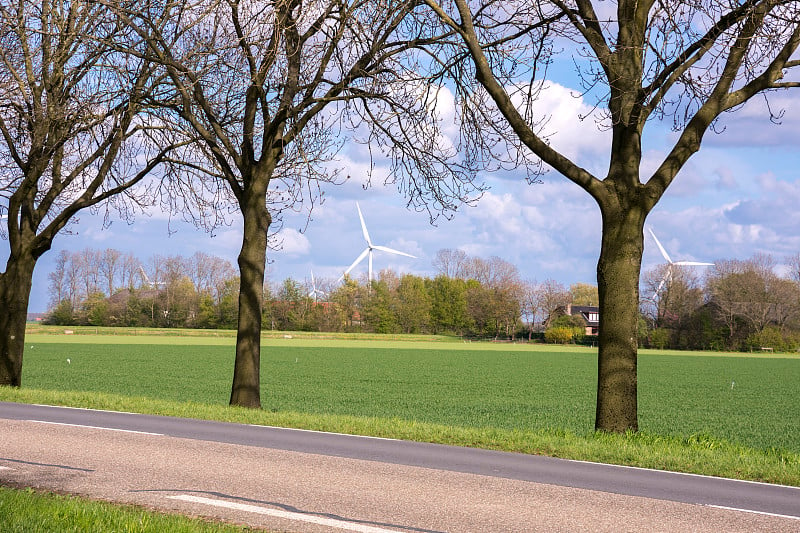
{"x": 357, "y": 261}
{"x": 691, "y": 263}
{"x": 660, "y": 285}
{"x": 363, "y": 226}
{"x": 663, "y": 251}
{"x": 393, "y": 251}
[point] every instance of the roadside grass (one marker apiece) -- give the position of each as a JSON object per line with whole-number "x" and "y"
{"x": 730, "y": 416}
{"x": 29, "y": 511}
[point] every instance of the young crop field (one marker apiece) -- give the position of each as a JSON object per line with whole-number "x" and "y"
{"x": 750, "y": 400}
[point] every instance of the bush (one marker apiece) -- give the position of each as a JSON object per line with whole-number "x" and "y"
{"x": 61, "y": 315}
{"x": 559, "y": 335}
{"x": 771, "y": 337}
{"x": 588, "y": 340}
{"x": 659, "y": 338}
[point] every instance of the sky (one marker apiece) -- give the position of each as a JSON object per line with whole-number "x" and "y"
{"x": 738, "y": 196}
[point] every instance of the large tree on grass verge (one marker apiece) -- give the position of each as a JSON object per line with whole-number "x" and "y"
{"x": 646, "y": 60}
{"x": 69, "y": 138}
{"x": 267, "y": 88}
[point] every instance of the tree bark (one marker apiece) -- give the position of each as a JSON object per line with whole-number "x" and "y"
{"x": 15, "y": 290}
{"x": 246, "y": 389}
{"x": 618, "y": 285}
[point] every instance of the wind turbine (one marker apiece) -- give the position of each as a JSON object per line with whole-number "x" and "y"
{"x": 671, "y": 264}
{"x": 314, "y": 290}
{"x": 147, "y": 280}
{"x": 369, "y": 249}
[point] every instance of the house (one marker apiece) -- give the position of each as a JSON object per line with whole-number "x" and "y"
{"x": 590, "y": 315}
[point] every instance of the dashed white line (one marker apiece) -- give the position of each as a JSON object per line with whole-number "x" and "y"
{"x": 277, "y": 513}
{"x": 754, "y": 512}
{"x": 96, "y": 427}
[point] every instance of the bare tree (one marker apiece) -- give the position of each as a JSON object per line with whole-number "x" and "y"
{"x": 451, "y": 263}
{"x": 672, "y": 299}
{"x": 646, "y": 60}
{"x": 210, "y": 273}
{"x": 58, "y": 278}
{"x": 794, "y": 267}
{"x": 110, "y": 267}
{"x": 749, "y": 292}
{"x": 267, "y": 88}
{"x": 88, "y": 261}
{"x": 129, "y": 271}
{"x": 530, "y": 304}
{"x": 73, "y": 282}
{"x": 552, "y": 297}
{"x": 67, "y": 117}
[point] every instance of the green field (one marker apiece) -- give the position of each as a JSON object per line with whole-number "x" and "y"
{"x": 750, "y": 400}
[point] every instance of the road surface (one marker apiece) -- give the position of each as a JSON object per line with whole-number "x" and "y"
{"x": 291, "y": 480}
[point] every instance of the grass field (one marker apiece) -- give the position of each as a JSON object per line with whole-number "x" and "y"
{"x": 472, "y": 391}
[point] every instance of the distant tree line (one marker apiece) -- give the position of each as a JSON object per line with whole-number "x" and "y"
{"x": 738, "y": 305}
{"x": 469, "y": 296}
{"x": 110, "y": 288}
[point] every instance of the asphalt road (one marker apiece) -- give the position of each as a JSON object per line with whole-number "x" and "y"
{"x": 293, "y": 480}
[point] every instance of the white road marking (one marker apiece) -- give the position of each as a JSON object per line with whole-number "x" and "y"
{"x": 754, "y": 512}
{"x": 370, "y": 437}
{"x": 83, "y": 409}
{"x": 277, "y": 513}
{"x": 684, "y": 474}
{"x": 96, "y": 427}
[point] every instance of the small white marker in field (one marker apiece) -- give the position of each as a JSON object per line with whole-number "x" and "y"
{"x": 733, "y": 384}
{"x": 69, "y": 362}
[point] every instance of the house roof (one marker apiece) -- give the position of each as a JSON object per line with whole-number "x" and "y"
{"x": 585, "y": 311}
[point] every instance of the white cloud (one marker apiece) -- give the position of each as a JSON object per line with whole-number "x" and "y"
{"x": 569, "y": 124}
{"x": 751, "y": 125}
{"x": 290, "y": 242}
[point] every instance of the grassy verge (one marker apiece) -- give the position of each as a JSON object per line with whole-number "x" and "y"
{"x": 698, "y": 454}
{"x": 28, "y": 511}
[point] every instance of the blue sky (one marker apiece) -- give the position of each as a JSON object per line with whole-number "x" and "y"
{"x": 737, "y": 196}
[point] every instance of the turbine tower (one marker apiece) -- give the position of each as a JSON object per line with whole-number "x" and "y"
{"x": 314, "y": 290}
{"x": 671, "y": 263}
{"x": 369, "y": 249}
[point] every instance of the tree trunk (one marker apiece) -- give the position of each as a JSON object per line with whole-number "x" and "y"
{"x": 246, "y": 389}
{"x": 618, "y": 284}
{"x": 15, "y": 292}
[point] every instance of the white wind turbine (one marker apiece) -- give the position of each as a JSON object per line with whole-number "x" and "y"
{"x": 314, "y": 290}
{"x": 369, "y": 249}
{"x": 671, "y": 264}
